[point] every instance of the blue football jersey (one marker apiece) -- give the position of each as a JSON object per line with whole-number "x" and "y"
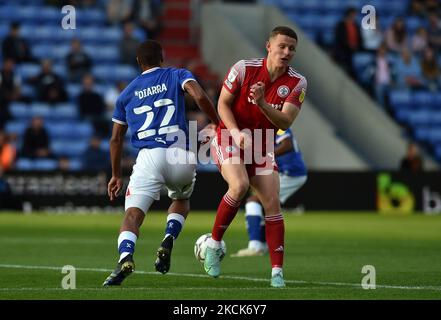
{"x": 153, "y": 107}
{"x": 290, "y": 163}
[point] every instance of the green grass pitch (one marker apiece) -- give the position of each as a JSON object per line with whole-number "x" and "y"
{"x": 324, "y": 256}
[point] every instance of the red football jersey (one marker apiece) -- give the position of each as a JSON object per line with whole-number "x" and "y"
{"x": 289, "y": 87}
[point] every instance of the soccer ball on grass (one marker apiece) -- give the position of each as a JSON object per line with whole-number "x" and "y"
{"x": 201, "y": 246}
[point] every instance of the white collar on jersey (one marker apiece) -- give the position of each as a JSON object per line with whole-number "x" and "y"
{"x": 150, "y": 70}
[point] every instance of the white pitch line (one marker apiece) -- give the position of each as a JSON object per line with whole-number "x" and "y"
{"x": 154, "y": 288}
{"x": 321, "y": 283}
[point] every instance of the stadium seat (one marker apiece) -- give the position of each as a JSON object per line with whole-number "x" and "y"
{"x": 24, "y": 164}
{"x": 69, "y": 129}
{"x": 28, "y": 70}
{"x": 65, "y": 111}
{"x": 422, "y": 98}
{"x": 45, "y": 164}
{"x": 19, "y": 110}
{"x": 17, "y": 127}
{"x": 69, "y": 147}
{"x": 400, "y": 99}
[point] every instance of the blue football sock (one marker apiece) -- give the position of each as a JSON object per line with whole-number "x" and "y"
{"x": 126, "y": 244}
{"x": 175, "y": 222}
{"x": 253, "y": 227}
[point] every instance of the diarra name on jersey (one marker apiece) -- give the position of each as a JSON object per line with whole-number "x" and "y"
{"x": 151, "y": 91}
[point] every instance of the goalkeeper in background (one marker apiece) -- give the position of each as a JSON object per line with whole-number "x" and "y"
{"x": 293, "y": 175}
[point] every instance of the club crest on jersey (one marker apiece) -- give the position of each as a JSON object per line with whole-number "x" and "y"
{"x": 230, "y": 149}
{"x": 283, "y": 91}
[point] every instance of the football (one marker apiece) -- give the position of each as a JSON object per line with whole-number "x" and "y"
{"x": 201, "y": 246}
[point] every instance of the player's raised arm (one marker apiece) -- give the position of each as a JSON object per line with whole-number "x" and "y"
{"x": 116, "y": 148}
{"x": 281, "y": 119}
{"x": 200, "y": 97}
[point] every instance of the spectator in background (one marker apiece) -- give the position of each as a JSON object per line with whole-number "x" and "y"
{"x": 111, "y": 96}
{"x": 129, "y": 44}
{"x": 7, "y": 153}
{"x": 419, "y": 40}
{"x": 434, "y": 31}
{"x": 95, "y": 158}
{"x": 9, "y": 89}
{"x": 49, "y": 85}
{"x": 417, "y": 8}
{"x": 412, "y": 161}
{"x": 372, "y": 38}
{"x": 147, "y": 16}
{"x": 383, "y": 75}
{"x": 396, "y": 36}
{"x": 15, "y": 47}
{"x": 92, "y": 107}
{"x": 9, "y": 81}
{"x": 408, "y": 71}
{"x": 119, "y": 11}
{"x": 430, "y": 70}
{"x": 347, "y": 40}
{"x": 78, "y": 61}
{"x": 36, "y": 140}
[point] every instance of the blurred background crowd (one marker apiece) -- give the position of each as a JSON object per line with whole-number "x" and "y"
{"x": 58, "y": 86}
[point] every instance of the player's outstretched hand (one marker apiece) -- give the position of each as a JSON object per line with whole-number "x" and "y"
{"x": 114, "y": 187}
{"x": 257, "y": 91}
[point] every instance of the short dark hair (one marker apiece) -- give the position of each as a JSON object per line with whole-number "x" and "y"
{"x": 286, "y": 31}
{"x": 149, "y": 53}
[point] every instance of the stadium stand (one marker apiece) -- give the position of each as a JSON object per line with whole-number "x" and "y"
{"x": 39, "y": 27}
{"x": 415, "y": 108}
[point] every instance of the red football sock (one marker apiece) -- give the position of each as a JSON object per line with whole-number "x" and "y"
{"x": 275, "y": 234}
{"x": 226, "y": 212}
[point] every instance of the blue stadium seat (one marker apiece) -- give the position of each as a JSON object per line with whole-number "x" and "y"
{"x": 45, "y": 164}
{"x": 28, "y": 13}
{"x": 28, "y": 70}
{"x": 109, "y": 35}
{"x": 435, "y": 135}
{"x": 69, "y": 129}
{"x": 17, "y": 127}
{"x": 400, "y": 99}
{"x": 24, "y": 164}
{"x": 422, "y": 133}
{"x": 65, "y": 111}
{"x": 19, "y": 110}
{"x": 73, "y": 90}
{"x": 4, "y": 29}
{"x": 69, "y": 147}
{"x": 75, "y": 164}
{"x": 43, "y": 110}
{"x": 91, "y": 16}
{"x": 9, "y": 12}
{"x": 435, "y": 118}
{"x": 419, "y": 117}
{"x": 423, "y": 98}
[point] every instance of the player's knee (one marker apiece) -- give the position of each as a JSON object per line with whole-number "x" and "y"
{"x": 238, "y": 189}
